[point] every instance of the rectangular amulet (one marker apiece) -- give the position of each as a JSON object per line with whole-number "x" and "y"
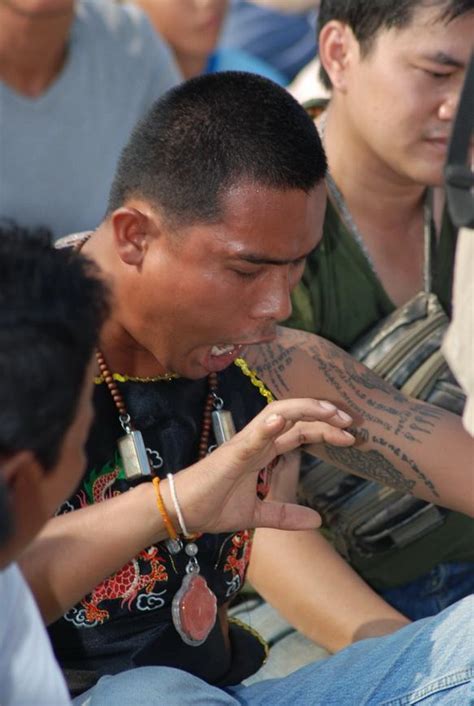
{"x": 134, "y": 456}
{"x": 222, "y": 425}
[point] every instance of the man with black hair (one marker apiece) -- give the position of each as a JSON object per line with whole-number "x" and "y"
{"x": 217, "y": 200}
{"x": 51, "y": 309}
{"x": 395, "y": 71}
{"x": 52, "y": 305}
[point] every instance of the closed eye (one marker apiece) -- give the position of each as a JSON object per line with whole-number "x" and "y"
{"x": 246, "y": 273}
{"x": 436, "y": 74}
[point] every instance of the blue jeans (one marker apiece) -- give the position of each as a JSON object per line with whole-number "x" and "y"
{"x": 428, "y": 662}
{"x": 439, "y": 588}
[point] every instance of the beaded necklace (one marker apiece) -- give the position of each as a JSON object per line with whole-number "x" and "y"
{"x": 194, "y": 606}
{"x": 140, "y": 461}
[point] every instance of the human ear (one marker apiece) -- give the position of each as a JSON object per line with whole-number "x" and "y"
{"x": 336, "y": 45}
{"x": 22, "y": 463}
{"x": 131, "y": 229}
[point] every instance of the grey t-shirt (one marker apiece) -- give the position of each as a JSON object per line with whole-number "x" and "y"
{"x": 58, "y": 151}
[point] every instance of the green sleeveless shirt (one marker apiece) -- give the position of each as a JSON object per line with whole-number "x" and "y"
{"x": 340, "y": 298}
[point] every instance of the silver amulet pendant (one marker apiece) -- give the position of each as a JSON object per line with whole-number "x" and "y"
{"x": 222, "y": 425}
{"x": 134, "y": 456}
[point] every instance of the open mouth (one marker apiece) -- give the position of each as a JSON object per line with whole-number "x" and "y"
{"x": 221, "y": 356}
{"x": 218, "y": 351}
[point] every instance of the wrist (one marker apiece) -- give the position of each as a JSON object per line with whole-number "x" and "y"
{"x": 171, "y": 513}
{"x": 166, "y": 506}
{"x": 152, "y": 519}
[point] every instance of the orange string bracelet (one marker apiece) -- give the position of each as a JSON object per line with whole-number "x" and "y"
{"x": 163, "y": 511}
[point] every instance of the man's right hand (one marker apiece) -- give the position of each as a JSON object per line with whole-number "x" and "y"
{"x": 218, "y": 494}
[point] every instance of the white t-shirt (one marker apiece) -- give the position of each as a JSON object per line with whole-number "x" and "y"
{"x": 458, "y": 345}
{"x": 58, "y": 152}
{"x": 29, "y": 673}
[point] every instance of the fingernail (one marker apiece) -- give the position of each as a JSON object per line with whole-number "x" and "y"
{"x": 346, "y": 433}
{"x": 345, "y": 417}
{"x": 272, "y": 418}
{"x": 328, "y": 405}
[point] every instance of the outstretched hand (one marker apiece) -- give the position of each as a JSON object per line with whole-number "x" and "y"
{"x": 218, "y": 494}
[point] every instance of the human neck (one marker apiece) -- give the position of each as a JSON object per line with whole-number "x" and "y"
{"x": 191, "y": 65}
{"x": 32, "y": 51}
{"x": 122, "y": 352}
{"x": 374, "y": 194}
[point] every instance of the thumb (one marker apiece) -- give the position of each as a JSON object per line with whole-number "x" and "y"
{"x": 286, "y": 516}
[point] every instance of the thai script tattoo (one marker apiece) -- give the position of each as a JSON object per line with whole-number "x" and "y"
{"x": 358, "y": 389}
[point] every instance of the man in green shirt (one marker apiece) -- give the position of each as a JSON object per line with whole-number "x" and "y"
{"x": 395, "y": 71}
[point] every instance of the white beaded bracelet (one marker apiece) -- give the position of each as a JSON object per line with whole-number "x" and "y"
{"x": 177, "y": 507}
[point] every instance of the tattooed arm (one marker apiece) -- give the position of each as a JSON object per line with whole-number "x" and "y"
{"x": 402, "y": 442}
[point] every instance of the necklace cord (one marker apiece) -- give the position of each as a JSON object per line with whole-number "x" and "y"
{"x": 341, "y": 205}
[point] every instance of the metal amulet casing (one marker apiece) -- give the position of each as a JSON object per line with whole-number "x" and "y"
{"x": 134, "y": 456}
{"x": 223, "y": 425}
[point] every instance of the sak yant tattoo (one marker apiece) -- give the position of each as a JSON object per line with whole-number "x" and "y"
{"x": 357, "y": 388}
{"x": 272, "y": 365}
{"x": 371, "y": 464}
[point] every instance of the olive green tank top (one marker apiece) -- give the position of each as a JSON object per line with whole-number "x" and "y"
{"x": 340, "y": 298}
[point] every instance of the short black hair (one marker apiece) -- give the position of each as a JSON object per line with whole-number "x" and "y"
{"x": 210, "y": 133}
{"x": 52, "y": 305}
{"x": 367, "y": 18}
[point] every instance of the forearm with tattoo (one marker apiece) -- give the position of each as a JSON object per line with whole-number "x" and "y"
{"x": 388, "y": 415}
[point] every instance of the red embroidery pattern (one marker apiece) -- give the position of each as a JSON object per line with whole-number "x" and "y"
{"x": 125, "y": 584}
{"x": 265, "y": 478}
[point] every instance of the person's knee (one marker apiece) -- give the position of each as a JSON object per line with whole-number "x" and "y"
{"x": 161, "y": 686}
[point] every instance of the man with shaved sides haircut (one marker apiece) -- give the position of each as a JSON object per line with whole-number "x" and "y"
{"x": 218, "y": 198}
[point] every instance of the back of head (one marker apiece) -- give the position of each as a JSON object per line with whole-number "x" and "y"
{"x": 51, "y": 308}
{"x": 211, "y": 133}
{"x": 368, "y": 18}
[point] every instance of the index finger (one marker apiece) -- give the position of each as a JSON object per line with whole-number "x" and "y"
{"x": 307, "y": 409}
